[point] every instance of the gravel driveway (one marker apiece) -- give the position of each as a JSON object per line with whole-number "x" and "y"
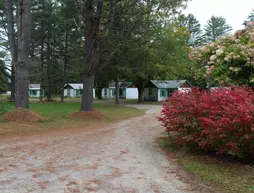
{"x": 121, "y": 157}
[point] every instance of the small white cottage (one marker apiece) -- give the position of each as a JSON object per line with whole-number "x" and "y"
{"x": 34, "y": 90}
{"x": 74, "y": 90}
{"x": 126, "y": 91}
{"x": 160, "y": 90}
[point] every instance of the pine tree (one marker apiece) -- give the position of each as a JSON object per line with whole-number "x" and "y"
{"x": 194, "y": 27}
{"x": 215, "y": 28}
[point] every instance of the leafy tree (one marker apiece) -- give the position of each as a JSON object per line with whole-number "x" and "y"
{"x": 97, "y": 28}
{"x": 194, "y": 27}
{"x": 215, "y": 28}
{"x": 227, "y": 61}
{"x": 249, "y": 18}
{"x": 172, "y": 51}
{"x": 147, "y": 54}
{"x": 117, "y": 33}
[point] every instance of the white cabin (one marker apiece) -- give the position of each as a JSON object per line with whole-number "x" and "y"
{"x": 126, "y": 91}
{"x": 74, "y": 90}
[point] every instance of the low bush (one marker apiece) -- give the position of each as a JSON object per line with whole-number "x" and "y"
{"x": 221, "y": 121}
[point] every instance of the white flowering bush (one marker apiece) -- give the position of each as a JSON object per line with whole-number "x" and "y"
{"x": 230, "y": 60}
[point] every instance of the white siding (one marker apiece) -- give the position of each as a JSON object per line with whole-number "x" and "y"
{"x": 106, "y": 93}
{"x": 131, "y": 93}
{"x": 72, "y": 93}
{"x": 68, "y": 93}
{"x": 162, "y": 98}
{"x": 36, "y": 95}
{"x": 65, "y": 92}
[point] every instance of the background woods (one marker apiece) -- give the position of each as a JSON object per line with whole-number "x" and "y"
{"x": 97, "y": 42}
{"x": 93, "y": 42}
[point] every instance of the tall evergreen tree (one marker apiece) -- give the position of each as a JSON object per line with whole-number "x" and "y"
{"x": 215, "y": 28}
{"x": 194, "y": 27}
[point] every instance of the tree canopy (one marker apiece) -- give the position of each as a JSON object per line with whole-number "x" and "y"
{"x": 229, "y": 60}
{"x": 123, "y": 40}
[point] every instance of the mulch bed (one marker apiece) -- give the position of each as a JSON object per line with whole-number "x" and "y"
{"x": 95, "y": 114}
{"x": 22, "y": 115}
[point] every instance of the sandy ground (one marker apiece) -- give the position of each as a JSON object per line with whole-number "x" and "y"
{"x": 121, "y": 157}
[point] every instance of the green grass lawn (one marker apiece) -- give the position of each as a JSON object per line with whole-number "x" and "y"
{"x": 228, "y": 176}
{"x": 122, "y": 101}
{"x": 3, "y": 97}
{"x": 132, "y": 101}
{"x": 57, "y": 117}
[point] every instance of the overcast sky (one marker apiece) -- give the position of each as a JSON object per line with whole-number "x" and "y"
{"x": 235, "y": 11}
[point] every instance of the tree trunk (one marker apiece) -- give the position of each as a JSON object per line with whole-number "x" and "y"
{"x": 117, "y": 101}
{"x": 140, "y": 94}
{"x": 12, "y": 85}
{"x": 65, "y": 65}
{"x": 92, "y": 19}
{"x": 49, "y": 55}
{"x": 87, "y": 95}
{"x": 12, "y": 43}
{"x": 24, "y": 35}
{"x": 140, "y": 85}
{"x": 49, "y": 89}
{"x": 42, "y": 74}
{"x": 42, "y": 57}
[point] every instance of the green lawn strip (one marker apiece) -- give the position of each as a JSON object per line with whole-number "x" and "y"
{"x": 131, "y": 101}
{"x": 57, "y": 116}
{"x": 229, "y": 177}
{"x": 4, "y": 97}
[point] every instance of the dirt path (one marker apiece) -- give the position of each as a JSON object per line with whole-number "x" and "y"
{"x": 118, "y": 158}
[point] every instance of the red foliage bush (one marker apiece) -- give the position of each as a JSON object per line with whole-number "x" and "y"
{"x": 220, "y": 120}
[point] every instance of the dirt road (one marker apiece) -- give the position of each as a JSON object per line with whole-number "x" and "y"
{"x": 121, "y": 157}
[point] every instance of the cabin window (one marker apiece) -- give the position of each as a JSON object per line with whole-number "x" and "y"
{"x": 33, "y": 92}
{"x": 105, "y": 92}
{"x": 163, "y": 93}
{"x": 113, "y": 92}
